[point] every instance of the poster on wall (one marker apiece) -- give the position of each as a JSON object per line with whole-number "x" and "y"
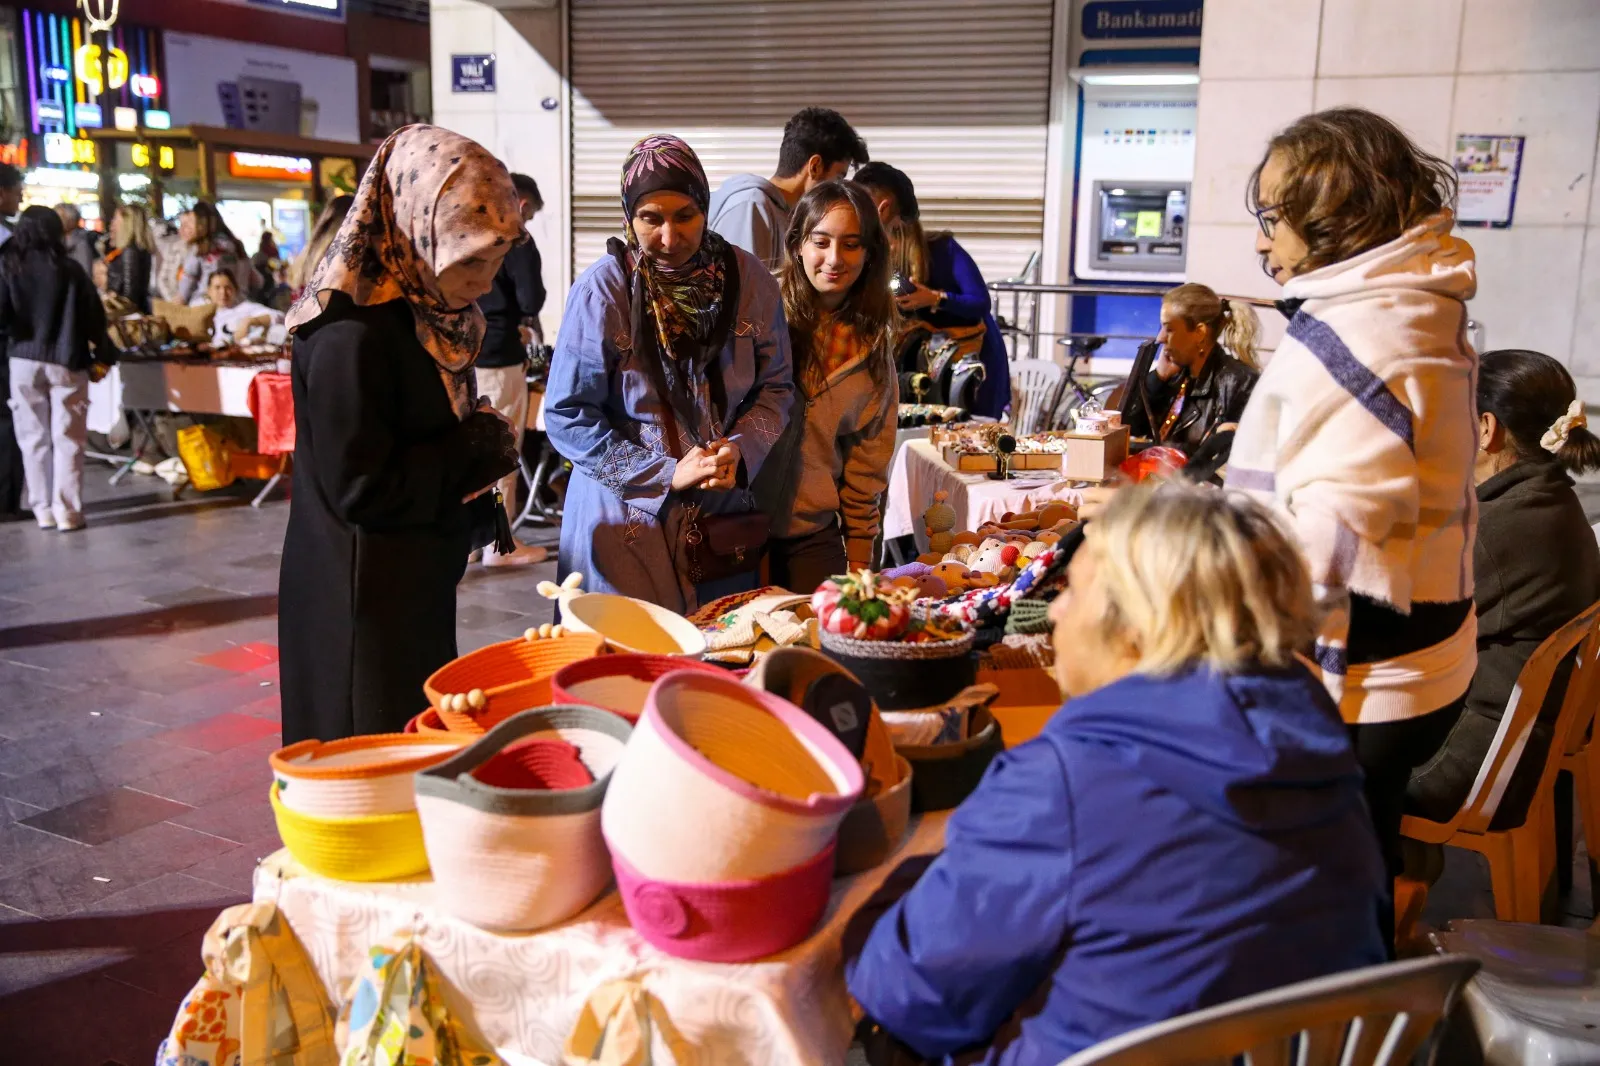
{"x": 1487, "y": 165}
{"x": 213, "y": 82}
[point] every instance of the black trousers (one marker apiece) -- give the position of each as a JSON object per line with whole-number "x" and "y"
{"x": 1388, "y": 753}
{"x": 800, "y": 564}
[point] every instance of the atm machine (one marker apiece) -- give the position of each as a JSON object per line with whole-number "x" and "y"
{"x": 1131, "y": 227}
{"x": 1135, "y": 163}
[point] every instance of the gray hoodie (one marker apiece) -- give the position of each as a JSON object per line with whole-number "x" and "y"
{"x": 750, "y": 211}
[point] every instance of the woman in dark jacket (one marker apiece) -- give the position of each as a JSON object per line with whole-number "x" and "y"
{"x": 1188, "y": 829}
{"x": 1197, "y": 387}
{"x": 129, "y": 261}
{"x": 54, "y": 329}
{"x": 391, "y": 444}
{"x": 947, "y": 290}
{"x": 1535, "y": 563}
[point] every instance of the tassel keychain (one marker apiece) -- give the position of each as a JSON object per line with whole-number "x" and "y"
{"x": 503, "y": 541}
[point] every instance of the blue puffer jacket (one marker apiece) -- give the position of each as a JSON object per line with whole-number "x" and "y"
{"x": 1164, "y": 845}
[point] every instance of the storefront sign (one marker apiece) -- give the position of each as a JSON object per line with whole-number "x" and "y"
{"x": 1487, "y": 166}
{"x": 1142, "y": 18}
{"x": 125, "y": 118}
{"x": 472, "y": 73}
{"x": 61, "y": 150}
{"x": 165, "y": 158}
{"x": 328, "y": 8}
{"x": 15, "y": 155}
{"x": 158, "y": 120}
{"x": 63, "y": 179}
{"x": 73, "y": 78}
{"x": 269, "y": 167}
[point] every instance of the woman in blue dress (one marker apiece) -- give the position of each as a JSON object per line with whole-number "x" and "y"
{"x": 947, "y": 288}
{"x": 669, "y": 385}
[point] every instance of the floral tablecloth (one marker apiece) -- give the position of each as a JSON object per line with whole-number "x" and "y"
{"x": 919, "y": 470}
{"x": 525, "y": 993}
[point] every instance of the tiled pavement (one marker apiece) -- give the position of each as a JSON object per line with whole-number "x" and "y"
{"x": 138, "y": 703}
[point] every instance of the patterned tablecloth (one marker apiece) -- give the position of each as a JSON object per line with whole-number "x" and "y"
{"x": 525, "y": 992}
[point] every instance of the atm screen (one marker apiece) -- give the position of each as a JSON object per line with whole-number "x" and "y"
{"x": 1141, "y": 225}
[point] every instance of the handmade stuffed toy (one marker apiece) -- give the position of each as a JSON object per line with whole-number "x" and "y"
{"x": 939, "y": 520}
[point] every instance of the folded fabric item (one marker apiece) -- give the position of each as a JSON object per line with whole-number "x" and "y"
{"x": 944, "y": 724}
{"x": 1019, "y": 650}
{"x": 258, "y": 1001}
{"x": 942, "y": 775}
{"x": 521, "y": 850}
{"x": 748, "y": 624}
{"x": 397, "y": 1012}
{"x": 1029, "y": 616}
{"x": 270, "y": 399}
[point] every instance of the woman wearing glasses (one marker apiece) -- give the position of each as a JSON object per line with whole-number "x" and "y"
{"x": 1362, "y": 431}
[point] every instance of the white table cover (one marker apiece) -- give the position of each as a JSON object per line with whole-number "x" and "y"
{"x": 525, "y": 991}
{"x": 919, "y": 471}
{"x": 157, "y": 386}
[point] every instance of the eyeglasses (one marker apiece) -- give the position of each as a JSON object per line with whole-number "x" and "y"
{"x": 1268, "y": 225}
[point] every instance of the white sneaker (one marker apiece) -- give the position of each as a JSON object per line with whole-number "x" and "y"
{"x": 67, "y": 523}
{"x": 45, "y": 517}
{"x": 525, "y": 555}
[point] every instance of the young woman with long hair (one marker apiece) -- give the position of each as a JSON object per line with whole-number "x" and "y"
{"x": 827, "y": 495}
{"x": 53, "y": 327}
{"x": 322, "y": 233}
{"x": 1197, "y": 387}
{"x": 1362, "y": 432}
{"x": 128, "y": 263}
{"x": 947, "y": 292}
{"x": 212, "y": 247}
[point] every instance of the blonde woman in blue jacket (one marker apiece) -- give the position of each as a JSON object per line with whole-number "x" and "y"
{"x": 1187, "y": 830}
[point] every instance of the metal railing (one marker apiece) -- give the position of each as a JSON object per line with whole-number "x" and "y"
{"x": 1022, "y": 326}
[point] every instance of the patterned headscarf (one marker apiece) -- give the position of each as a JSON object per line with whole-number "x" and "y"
{"x": 430, "y": 199}
{"x": 687, "y": 302}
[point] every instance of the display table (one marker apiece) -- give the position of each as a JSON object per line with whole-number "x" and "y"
{"x": 919, "y": 471}
{"x": 525, "y": 991}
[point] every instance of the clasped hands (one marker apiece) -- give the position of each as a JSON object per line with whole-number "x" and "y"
{"x": 714, "y": 466}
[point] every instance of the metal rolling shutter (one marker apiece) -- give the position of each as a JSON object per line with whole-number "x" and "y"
{"x": 954, "y": 93}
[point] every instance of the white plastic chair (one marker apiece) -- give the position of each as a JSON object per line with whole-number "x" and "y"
{"x": 1376, "y": 1016}
{"x": 1035, "y": 387}
{"x": 1520, "y": 858}
{"x": 1537, "y": 998}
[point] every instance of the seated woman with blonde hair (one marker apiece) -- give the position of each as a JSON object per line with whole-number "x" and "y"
{"x": 1188, "y": 828}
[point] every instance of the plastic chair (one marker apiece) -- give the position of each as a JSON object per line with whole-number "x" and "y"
{"x": 1375, "y": 1016}
{"x": 1035, "y": 387}
{"x": 1537, "y": 997}
{"x": 1582, "y": 761}
{"x": 1520, "y": 858}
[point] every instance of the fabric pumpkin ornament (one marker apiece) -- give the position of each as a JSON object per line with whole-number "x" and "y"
{"x": 859, "y": 606}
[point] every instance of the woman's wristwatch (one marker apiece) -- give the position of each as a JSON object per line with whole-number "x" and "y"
{"x": 938, "y": 300}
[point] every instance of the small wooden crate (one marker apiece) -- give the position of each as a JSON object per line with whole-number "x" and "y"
{"x": 968, "y": 462}
{"x": 1094, "y": 456}
{"x": 1036, "y": 461}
